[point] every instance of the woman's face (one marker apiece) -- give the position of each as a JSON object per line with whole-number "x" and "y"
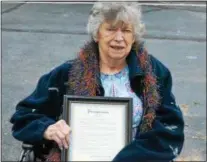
{"x": 115, "y": 41}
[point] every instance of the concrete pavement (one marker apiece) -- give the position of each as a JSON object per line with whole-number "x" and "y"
{"x": 38, "y": 37}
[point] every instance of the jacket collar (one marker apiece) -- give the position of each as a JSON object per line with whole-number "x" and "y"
{"x": 134, "y": 67}
{"x": 84, "y": 76}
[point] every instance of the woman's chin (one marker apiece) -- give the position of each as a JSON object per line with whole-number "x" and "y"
{"x": 117, "y": 56}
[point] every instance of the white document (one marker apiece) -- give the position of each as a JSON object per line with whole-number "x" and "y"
{"x": 98, "y": 131}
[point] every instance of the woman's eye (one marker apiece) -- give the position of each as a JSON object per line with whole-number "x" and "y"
{"x": 127, "y": 30}
{"x": 111, "y": 29}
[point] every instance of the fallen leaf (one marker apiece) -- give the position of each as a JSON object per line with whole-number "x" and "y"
{"x": 184, "y": 108}
{"x": 196, "y": 103}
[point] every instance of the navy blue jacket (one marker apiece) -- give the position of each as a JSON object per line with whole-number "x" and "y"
{"x": 163, "y": 143}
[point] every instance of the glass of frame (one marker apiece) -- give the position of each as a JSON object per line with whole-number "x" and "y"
{"x": 101, "y": 127}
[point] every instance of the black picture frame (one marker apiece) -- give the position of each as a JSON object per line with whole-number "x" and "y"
{"x": 66, "y": 115}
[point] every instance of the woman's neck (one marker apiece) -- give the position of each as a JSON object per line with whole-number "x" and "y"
{"x": 112, "y": 67}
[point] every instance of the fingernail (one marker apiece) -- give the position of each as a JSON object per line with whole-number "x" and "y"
{"x": 61, "y": 148}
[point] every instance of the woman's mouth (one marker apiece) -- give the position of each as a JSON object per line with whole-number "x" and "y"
{"x": 117, "y": 47}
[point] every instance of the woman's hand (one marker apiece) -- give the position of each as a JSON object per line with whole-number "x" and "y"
{"x": 59, "y": 132}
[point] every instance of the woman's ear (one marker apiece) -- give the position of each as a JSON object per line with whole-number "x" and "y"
{"x": 134, "y": 40}
{"x": 135, "y": 45}
{"x": 96, "y": 38}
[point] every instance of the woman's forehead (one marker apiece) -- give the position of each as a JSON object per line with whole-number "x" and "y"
{"x": 119, "y": 23}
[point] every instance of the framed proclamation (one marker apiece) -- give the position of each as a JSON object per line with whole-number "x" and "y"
{"x": 101, "y": 127}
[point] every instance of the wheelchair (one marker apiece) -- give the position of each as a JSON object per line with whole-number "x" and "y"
{"x": 27, "y": 153}
{"x": 30, "y": 153}
{"x": 36, "y": 152}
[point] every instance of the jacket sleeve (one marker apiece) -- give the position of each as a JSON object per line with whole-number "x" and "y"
{"x": 165, "y": 141}
{"x": 39, "y": 110}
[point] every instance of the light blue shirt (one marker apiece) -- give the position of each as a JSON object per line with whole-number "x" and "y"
{"x": 118, "y": 85}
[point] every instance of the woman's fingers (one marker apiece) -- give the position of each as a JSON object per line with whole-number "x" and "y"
{"x": 59, "y": 132}
{"x": 58, "y": 141}
{"x": 66, "y": 130}
{"x": 67, "y": 138}
{"x": 62, "y": 137}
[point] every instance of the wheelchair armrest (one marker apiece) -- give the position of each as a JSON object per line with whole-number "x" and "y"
{"x": 26, "y": 146}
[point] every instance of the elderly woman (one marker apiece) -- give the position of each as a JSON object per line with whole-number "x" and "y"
{"x": 114, "y": 63}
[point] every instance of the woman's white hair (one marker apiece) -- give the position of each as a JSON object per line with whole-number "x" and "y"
{"x": 128, "y": 12}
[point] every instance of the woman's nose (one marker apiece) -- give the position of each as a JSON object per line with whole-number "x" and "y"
{"x": 119, "y": 35}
